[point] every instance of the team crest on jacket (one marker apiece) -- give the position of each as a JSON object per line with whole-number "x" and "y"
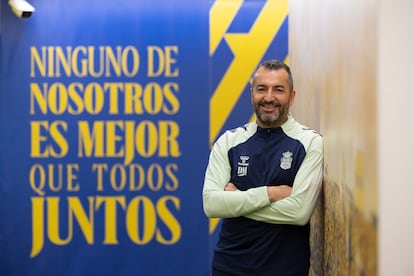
{"x": 286, "y": 160}
{"x": 242, "y": 165}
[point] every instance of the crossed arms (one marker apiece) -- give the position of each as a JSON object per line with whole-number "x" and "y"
{"x": 272, "y": 204}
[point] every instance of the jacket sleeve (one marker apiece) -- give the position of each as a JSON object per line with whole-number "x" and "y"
{"x": 218, "y": 203}
{"x": 298, "y": 207}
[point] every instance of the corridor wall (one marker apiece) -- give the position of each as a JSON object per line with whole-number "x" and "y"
{"x": 333, "y": 52}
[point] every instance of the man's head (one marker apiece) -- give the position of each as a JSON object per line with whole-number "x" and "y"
{"x": 272, "y": 93}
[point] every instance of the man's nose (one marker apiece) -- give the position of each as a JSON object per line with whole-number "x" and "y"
{"x": 269, "y": 94}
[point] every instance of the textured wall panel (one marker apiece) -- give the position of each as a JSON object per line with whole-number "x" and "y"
{"x": 332, "y": 49}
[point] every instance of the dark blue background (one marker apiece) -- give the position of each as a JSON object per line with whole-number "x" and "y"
{"x": 97, "y": 23}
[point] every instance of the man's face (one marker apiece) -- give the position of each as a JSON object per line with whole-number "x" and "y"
{"x": 271, "y": 97}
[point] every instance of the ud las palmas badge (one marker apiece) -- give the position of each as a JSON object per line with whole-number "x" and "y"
{"x": 286, "y": 160}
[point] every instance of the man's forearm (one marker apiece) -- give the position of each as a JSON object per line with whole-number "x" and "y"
{"x": 234, "y": 203}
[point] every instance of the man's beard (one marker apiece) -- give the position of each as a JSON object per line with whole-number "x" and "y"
{"x": 271, "y": 120}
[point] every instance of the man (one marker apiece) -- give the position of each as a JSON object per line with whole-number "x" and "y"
{"x": 264, "y": 179}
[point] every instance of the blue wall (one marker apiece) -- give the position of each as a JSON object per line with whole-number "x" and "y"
{"x": 106, "y": 114}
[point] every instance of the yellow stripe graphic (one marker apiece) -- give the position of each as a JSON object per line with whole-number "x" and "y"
{"x": 248, "y": 49}
{"x": 222, "y": 14}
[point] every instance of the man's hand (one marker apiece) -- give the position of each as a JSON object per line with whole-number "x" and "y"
{"x": 276, "y": 193}
{"x": 230, "y": 187}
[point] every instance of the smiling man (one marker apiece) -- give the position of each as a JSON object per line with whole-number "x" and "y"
{"x": 264, "y": 180}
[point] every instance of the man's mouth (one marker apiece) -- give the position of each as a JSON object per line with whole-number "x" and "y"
{"x": 269, "y": 107}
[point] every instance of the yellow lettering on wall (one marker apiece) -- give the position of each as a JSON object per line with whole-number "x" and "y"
{"x": 145, "y": 220}
{"x": 53, "y": 230}
{"x": 79, "y": 62}
{"x": 118, "y": 177}
{"x": 62, "y": 61}
{"x": 57, "y": 148}
{"x": 37, "y": 225}
{"x": 82, "y": 61}
{"x": 171, "y": 170}
{"x": 75, "y": 98}
{"x": 57, "y": 98}
{"x": 38, "y": 61}
{"x": 113, "y": 61}
{"x": 99, "y": 169}
{"x": 94, "y": 98}
{"x": 133, "y": 94}
{"x": 153, "y": 98}
{"x": 75, "y": 209}
{"x": 91, "y": 141}
{"x": 127, "y": 138}
{"x": 37, "y": 137}
{"x": 85, "y": 220}
{"x": 130, "y": 55}
{"x": 76, "y": 106}
{"x": 161, "y": 61}
{"x": 110, "y": 209}
{"x": 141, "y": 234}
{"x": 113, "y": 89}
{"x": 169, "y": 220}
{"x": 146, "y": 138}
{"x": 172, "y": 105}
{"x": 50, "y": 62}
{"x": 54, "y": 178}
{"x": 38, "y": 96}
{"x": 60, "y": 176}
{"x": 113, "y": 139}
{"x": 93, "y": 66}
{"x": 136, "y": 177}
{"x": 168, "y": 144}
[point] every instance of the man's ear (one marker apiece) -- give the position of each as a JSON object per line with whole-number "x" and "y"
{"x": 292, "y": 97}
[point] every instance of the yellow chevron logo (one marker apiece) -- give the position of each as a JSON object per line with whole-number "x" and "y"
{"x": 248, "y": 50}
